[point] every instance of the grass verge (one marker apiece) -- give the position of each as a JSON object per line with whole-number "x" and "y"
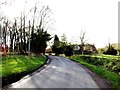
{"x": 113, "y": 78}
{"x": 15, "y": 67}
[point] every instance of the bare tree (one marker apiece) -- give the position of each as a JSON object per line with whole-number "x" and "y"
{"x": 82, "y": 40}
{"x": 21, "y": 33}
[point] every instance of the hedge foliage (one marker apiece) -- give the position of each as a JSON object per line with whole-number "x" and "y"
{"x": 109, "y": 63}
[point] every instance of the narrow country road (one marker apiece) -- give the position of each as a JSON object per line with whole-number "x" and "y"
{"x": 60, "y": 73}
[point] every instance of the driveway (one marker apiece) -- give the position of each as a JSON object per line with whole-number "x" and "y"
{"x": 60, "y": 73}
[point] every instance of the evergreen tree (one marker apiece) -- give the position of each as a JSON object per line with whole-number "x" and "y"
{"x": 56, "y": 45}
{"x": 40, "y": 41}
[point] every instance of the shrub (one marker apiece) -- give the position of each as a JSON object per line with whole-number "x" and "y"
{"x": 107, "y": 63}
{"x": 87, "y": 52}
{"x": 68, "y": 51}
{"x": 110, "y": 50}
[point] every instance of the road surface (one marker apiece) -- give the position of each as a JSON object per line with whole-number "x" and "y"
{"x": 60, "y": 73}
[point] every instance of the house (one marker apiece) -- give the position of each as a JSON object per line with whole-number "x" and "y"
{"x": 3, "y": 48}
{"x": 77, "y": 49}
{"x": 87, "y": 49}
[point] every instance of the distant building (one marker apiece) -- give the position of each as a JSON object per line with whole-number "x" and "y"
{"x": 77, "y": 49}
{"x": 49, "y": 50}
{"x": 87, "y": 49}
{"x": 4, "y": 48}
{"x": 90, "y": 48}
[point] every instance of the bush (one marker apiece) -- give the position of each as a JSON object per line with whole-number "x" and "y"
{"x": 105, "y": 66}
{"x": 68, "y": 51}
{"x": 110, "y": 51}
{"x": 78, "y": 51}
{"x": 87, "y": 52}
{"x": 111, "y": 64}
{"x": 57, "y": 50}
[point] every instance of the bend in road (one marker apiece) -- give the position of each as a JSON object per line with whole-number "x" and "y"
{"x": 60, "y": 73}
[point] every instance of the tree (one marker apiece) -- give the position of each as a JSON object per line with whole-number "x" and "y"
{"x": 56, "y": 45}
{"x": 63, "y": 42}
{"x": 5, "y": 32}
{"x": 39, "y": 35}
{"x": 68, "y": 51}
{"x": 56, "y": 41}
{"x": 82, "y": 40}
{"x": 24, "y": 36}
{"x": 20, "y": 33}
{"x": 39, "y": 38}
{"x": 12, "y": 30}
{"x": 110, "y": 50}
{"x": 118, "y": 51}
{"x": 40, "y": 41}
{"x": 64, "y": 39}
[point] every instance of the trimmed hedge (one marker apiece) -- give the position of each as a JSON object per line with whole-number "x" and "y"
{"x": 111, "y": 64}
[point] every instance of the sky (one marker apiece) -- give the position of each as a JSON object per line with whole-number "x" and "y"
{"x": 97, "y": 18}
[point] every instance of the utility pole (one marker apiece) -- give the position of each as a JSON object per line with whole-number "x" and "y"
{"x": 1, "y": 31}
{"x": 29, "y": 40}
{"x": 32, "y": 32}
{"x": 24, "y": 34}
{"x": 21, "y": 31}
{"x": 1, "y": 36}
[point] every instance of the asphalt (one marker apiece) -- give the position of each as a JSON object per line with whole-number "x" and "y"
{"x": 60, "y": 73}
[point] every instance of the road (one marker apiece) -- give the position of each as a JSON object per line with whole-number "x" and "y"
{"x": 60, "y": 73}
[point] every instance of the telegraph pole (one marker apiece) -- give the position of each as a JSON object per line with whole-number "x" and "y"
{"x": 29, "y": 40}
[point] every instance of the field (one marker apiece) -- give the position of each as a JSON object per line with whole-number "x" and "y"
{"x": 13, "y": 67}
{"x": 105, "y": 66}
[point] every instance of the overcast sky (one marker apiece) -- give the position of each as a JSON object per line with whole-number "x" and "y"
{"x": 98, "y": 18}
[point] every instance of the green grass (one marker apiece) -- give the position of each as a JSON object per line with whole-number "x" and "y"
{"x": 113, "y": 78}
{"x": 104, "y": 56}
{"x": 15, "y": 64}
{"x": 107, "y": 56}
{"x": 108, "y": 62}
